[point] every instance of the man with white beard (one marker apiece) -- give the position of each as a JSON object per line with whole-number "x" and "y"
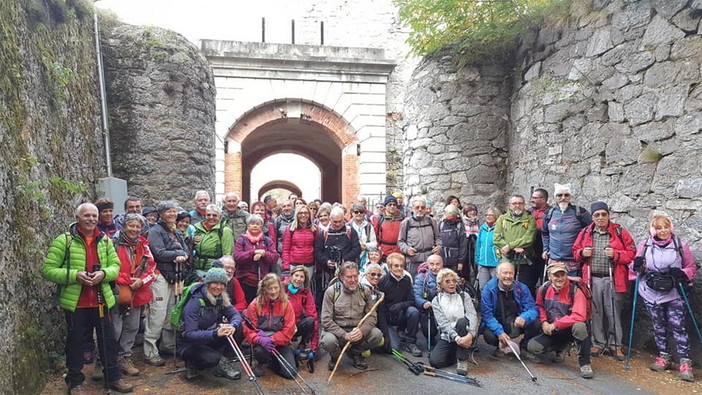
{"x": 514, "y": 236}
{"x": 560, "y": 227}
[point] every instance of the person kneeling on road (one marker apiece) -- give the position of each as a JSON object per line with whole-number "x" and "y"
{"x": 345, "y": 303}
{"x": 563, "y": 319}
{"x": 457, "y": 321}
{"x": 399, "y": 305}
{"x": 204, "y": 336}
{"x": 272, "y": 326}
{"x": 508, "y": 310}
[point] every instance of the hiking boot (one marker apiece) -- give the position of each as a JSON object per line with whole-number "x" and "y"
{"x": 596, "y": 351}
{"x": 78, "y": 390}
{"x": 462, "y": 367}
{"x": 498, "y": 353}
{"x": 127, "y": 367}
{"x": 359, "y": 362}
{"x": 225, "y": 370}
{"x": 618, "y": 354}
{"x": 558, "y": 357}
{"x": 586, "y": 372}
{"x": 413, "y": 349}
{"x": 332, "y": 362}
{"x": 97, "y": 372}
{"x": 527, "y": 355}
{"x": 686, "y": 370}
{"x": 661, "y": 363}
{"x": 191, "y": 373}
{"x": 121, "y": 386}
{"x": 155, "y": 361}
{"x": 257, "y": 369}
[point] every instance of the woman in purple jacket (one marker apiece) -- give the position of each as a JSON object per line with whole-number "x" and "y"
{"x": 663, "y": 255}
{"x": 255, "y": 254}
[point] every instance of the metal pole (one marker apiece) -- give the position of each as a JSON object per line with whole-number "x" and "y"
{"x": 103, "y": 96}
{"x": 263, "y": 30}
{"x": 321, "y": 33}
{"x": 292, "y": 28}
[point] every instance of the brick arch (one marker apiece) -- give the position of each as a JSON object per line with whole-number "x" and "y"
{"x": 279, "y": 184}
{"x": 301, "y": 127}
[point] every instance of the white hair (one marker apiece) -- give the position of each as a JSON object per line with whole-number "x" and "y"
{"x": 336, "y": 211}
{"x": 82, "y": 206}
{"x": 201, "y": 192}
{"x": 418, "y": 199}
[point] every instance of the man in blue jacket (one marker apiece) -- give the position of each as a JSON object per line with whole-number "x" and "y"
{"x": 508, "y": 310}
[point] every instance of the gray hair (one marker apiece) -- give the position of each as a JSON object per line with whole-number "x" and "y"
{"x": 232, "y": 194}
{"x": 336, "y": 211}
{"x": 372, "y": 266}
{"x": 503, "y": 264}
{"x": 494, "y": 210}
{"x": 348, "y": 265}
{"x": 418, "y": 199}
{"x": 453, "y": 210}
{"x": 166, "y": 205}
{"x": 201, "y": 192}
{"x": 79, "y": 209}
{"x": 133, "y": 217}
{"x": 358, "y": 207}
{"x": 227, "y": 258}
{"x": 444, "y": 274}
{"x": 215, "y": 208}
{"x": 254, "y": 218}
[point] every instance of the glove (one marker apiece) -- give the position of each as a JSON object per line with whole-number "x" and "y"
{"x": 640, "y": 264}
{"x": 679, "y": 275}
{"x": 261, "y": 333}
{"x": 267, "y": 343}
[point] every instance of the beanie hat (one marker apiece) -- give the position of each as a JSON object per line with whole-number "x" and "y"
{"x": 105, "y": 206}
{"x": 398, "y": 194}
{"x": 181, "y": 215}
{"x": 598, "y": 206}
{"x": 216, "y": 275}
{"x": 390, "y": 199}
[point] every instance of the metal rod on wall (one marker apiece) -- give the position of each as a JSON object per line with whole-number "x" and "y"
{"x": 292, "y": 28}
{"x": 321, "y": 33}
{"x": 263, "y": 30}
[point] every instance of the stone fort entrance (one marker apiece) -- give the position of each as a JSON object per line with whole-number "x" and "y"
{"x": 327, "y": 104}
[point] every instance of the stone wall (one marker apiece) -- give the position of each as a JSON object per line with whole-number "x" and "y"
{"x": 162, "y": 112}
{"x": 456, "y": 132}
{"x": 51, "y": 155}
{"x": 609, "y": 101}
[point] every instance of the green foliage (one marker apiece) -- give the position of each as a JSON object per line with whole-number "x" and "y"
{"x": 479, "y": 28}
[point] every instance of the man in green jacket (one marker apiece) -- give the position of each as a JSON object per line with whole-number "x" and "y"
{"x": 82, "y": 262}
{"x": 514, "y": 236}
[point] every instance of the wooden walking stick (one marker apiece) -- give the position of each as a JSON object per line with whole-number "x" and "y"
{"x": 358, "y": 326}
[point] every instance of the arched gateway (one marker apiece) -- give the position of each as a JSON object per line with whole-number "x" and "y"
{"x": 324, "y": 103}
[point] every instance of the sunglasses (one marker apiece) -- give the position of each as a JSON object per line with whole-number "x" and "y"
{"x": 596, "y": 215}
{"x": 375, "y": 274}
{"x": 211, "y": 215}
{"x": 358, "y": 212}
{"x": 562, "y": 194}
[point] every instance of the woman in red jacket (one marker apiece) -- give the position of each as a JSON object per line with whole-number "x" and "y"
{"x": 135, "y": 277}
{"x": 272, "y": 326}
{"x": 255, "y": 254}
{"x": 298, "y": 241}
{"x": 302, "y": 301}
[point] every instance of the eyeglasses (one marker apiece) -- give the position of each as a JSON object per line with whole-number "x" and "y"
{"x": 211, "y": 215}
{"x": 597, "y": 215}
{"x": 450, "y": 280}
{"x": 358, "y": 212}
{"x": 517, "y": 203}
{"x": 563, "y": 195}
{"x": 375, "y": 274}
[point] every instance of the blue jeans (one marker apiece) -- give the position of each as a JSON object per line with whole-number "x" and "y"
{"x": 408, "y": 319}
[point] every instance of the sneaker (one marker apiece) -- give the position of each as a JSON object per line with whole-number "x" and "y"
{"x": 596, "y": 351}
{"x": 618, "y": 354}
{"x": 686, "y": 370}
{"x": 121, "y": 386}
{"x": 462, "y": 367}
{"x": 359, "y": 362}
{"x": 97, "y": 372}
{"x": 155, "y": 361}
{"x": 413, "y": 349}
{"x": 227, "y": 371}
{"x": 661, "y": 363}
{"x": 127, "y": 367}
{"x": 558, "y": 357}
{"x": 191, "y": 373}
{"x": 586, "y": 372}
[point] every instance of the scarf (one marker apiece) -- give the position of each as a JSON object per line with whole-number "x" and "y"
{"x": 132, "y": 253}
{"x": 292, "y": 289}
{"x": 254, "y": 239}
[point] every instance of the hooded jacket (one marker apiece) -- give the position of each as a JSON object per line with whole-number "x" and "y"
{"x": 489, "y": 300}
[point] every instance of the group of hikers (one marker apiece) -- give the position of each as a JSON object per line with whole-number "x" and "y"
{"x": 283, "y": 280}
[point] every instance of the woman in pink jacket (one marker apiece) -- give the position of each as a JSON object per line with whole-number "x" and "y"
{"x": 297, "y": 287}
{"x": 298, "y": 241}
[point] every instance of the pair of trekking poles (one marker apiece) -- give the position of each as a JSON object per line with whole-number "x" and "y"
{"x": 420, "y": 368}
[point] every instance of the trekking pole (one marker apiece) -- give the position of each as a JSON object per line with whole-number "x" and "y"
{"x": 346, "y": 346}
{"x": 292, "y": 372}
{"x": 413, "y": 367}
{"x": 516, "y": 354}
{"x": 633, "y": 315}
{"x": 177, "y": 292}
{"x": 101, "y": 330}
{"x": 614, "y": 310}
{"x": 419, "y": 368}
{"x": 429, "y": 330}
{"x": 247, "y": 368}
{"x": 689, "y": 308}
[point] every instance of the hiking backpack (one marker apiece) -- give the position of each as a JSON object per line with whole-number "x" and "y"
{"x": 571, "y": 294}
{"x": 176, "y": 318}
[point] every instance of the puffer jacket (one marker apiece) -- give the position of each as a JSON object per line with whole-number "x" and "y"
{"x": 485, "y": 251}
{"x": 217, "y": 241}
{"x": 303, "y": 306}
{"x": 201, "y": 319}
{"x": 276, "y": 318}
{"x": 298, "y": 247}
{"x": 70, "y": 248}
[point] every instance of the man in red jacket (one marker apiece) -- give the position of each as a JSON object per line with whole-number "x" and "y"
{"x": 563, "y": 319}
{"x": 605, "y": 249}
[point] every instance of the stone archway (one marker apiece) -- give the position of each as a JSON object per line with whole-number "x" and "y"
{"x": 295, "y": 126}
{"x": 278, "y": 184}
